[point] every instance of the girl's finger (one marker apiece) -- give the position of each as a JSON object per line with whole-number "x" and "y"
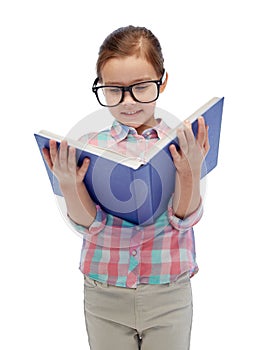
{"x": 72, "y": 160}
{"x": 201, "y": 134}
{"x": 174, "y": 153}
{"x": 84, "y": 167}
{"x": 206, "y": 143}
{"x": 53, "y": 151}
{"x": 182, "y": 141}
{"x": 46, "y": 155}
{"x": 63, "y": 154}
{"x": 189, "y": 134}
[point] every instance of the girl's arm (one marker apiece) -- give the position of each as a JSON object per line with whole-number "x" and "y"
{"x": 188, "y": 162}
{"x": 80, "y": 207}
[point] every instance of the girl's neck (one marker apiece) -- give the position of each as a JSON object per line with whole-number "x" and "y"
{"x": 144, "y": 127}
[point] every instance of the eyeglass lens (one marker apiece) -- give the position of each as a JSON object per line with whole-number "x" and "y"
{"x": 143, "y": 92}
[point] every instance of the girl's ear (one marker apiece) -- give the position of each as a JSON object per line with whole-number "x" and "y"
{"x": 163, "y": 86}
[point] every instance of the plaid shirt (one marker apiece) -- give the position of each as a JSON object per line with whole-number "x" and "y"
{"x": 122, "y": 254}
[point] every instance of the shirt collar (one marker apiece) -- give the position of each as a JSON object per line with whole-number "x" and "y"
{"x": 120, "y": 131}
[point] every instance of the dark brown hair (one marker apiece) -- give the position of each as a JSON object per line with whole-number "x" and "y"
{"x": 129, "y": 41}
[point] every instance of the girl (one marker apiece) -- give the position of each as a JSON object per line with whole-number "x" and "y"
{"x": 137, "y": 279}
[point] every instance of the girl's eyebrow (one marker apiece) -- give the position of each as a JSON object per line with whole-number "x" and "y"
{"x": 130, "y": 83}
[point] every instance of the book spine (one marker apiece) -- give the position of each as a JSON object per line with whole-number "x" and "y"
{"x": 142, "y": 189}
{"x": 159, "y": 177}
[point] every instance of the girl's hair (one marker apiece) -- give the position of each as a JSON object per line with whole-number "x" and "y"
{"x": 129, "y": 41}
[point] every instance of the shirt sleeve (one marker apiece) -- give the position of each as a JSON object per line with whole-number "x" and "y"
{"x": 187, "y": 222}
{"x": 97, "y": 225}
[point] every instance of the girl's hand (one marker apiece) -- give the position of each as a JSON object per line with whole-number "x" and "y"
{"x": 188, "y": 160}
{"x": 80, "y": 207}
{"x": 62, "y": 163}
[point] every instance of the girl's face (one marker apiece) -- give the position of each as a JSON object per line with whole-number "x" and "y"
{"x": 124, "y": 72}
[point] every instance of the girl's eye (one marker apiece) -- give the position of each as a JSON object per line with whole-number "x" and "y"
{"x": 114, "y": 90}
{"x": 140, "y": 87}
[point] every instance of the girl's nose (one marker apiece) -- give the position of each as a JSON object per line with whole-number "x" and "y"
{"x": 128, "y": 99}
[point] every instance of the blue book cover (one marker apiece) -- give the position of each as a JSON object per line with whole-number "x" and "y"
{"x": 133, "y": 190}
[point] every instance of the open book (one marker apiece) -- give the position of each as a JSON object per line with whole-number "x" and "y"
{"x": 134, "y": 190}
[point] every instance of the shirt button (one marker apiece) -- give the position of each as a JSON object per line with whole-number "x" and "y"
{"x": 134, "y": 252}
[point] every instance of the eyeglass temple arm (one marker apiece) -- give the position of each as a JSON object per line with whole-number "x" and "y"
{"x": 95, "y": 83}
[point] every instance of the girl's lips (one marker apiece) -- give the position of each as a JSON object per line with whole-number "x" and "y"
{"x": 131, "y": 113}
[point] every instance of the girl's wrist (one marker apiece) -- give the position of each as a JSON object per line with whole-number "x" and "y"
{"x": 189, "y": 175}
{"x": 69, "y": 186}
{"x": 187, "y": 193}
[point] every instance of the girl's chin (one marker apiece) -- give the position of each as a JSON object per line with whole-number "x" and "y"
{"x": 131, "y": 122}
{"x": 140, "y": 127}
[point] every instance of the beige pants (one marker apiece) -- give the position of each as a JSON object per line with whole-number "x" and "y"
{"x": 150, "y": 317}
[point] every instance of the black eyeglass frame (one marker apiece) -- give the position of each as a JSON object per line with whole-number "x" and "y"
{"x": 127, "y": 88}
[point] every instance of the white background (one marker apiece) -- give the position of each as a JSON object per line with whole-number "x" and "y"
{"x": 48, "y": 55}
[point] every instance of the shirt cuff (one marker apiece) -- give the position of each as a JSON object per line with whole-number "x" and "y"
{"x": 187, "y": 222}
{"x": 97, "y": 225}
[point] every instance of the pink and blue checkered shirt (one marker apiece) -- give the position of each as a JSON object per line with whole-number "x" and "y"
{"x": 122, "y": 254}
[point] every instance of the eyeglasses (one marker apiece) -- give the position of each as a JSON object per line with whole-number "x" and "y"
{"x": 143, "y": 92}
